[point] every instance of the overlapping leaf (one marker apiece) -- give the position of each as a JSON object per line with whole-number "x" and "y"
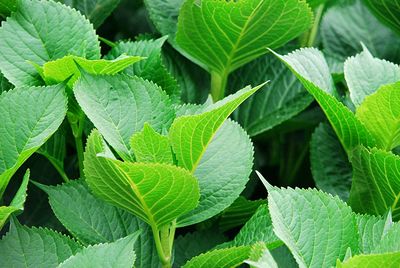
{"x": 387, "y": 11}
{"x": 390, "y": 260}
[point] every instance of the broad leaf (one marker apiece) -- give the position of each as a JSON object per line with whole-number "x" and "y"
{"x": 156, "y": 193}
{"x": 17, "y": 204}
{"x": 222, "y": 36}
{"x": 317, "y": 228}
{"x": 381, "y": 115}
{"x": 37, "y": 42}
{"x": 311, "y": 69}
{"x": 390, "y": 260}
{"x": 330, "y": 166}
{"x": 266, "y": 260}
{"x": 151, "y": 147}
{"x": 35, "y": 247}
{"x": 387, "y": 11}
{"x": 376, "y": 182}
{"x": 365, "y": 74}
{"x": 7, "y": 6}
{"x": 29, "y": 117}
{"x": 116, "y": 254}
{"x": 119, "y": 106}
{"x": 95, "y": 10}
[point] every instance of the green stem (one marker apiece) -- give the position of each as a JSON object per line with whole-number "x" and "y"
{"x": 77, "y": 131}
{"x": 308, "y": 39}
{"x": 218, "y": 85}
{"x": 162, "y": 245}
{"x": 59, "y": 169}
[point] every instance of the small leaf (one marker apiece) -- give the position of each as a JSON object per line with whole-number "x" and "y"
{"x": 156, "y": 193}
{"x": 116, "y": 254}
{"x": 391, "y": 260}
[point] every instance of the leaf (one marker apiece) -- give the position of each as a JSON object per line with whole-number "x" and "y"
{"x": 330, "y": 166}
{"x": 17, "y": 204}
{"x": 4, "y": 84}
{"x": 317, "y": 228}
{"x": 151, "y": 68}
{"x": 222, "y": 172}
{"x": 381, "y": 115}
{"x": 156, "y": 193}
{"x": 222, "y": 36}
{"x": 61, "y": 69}
{"x": 151, "y": 147}
{"x": 193, "y": 244}
{"x": 266, "y": 260}
{"x": 29, "y": 117}
{"x": 365, "y": 74}
{"x": 116, "y": 254}
{"x": 95, "y": 10}
{"x": 119, "y": 106}
{"x": 284, "y": 97}
{"x": 372, "y": 261}
{"x": 376, "y": 182}
{"x": 35, "y": 247}
{"x": 36, "y": 42}
{"x": 390, "y": 241}
{"x": 7, "y": 6}
{"x": 387, "y": 11}
{"x": 311, "y": 69}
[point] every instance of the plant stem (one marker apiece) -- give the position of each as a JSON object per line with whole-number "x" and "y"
{"x": 164, "y": 239}
{"x": 59, "y": 169}
{"x": 308, "y": 39}
{"x": 218, "y": 85}
{"x": 77, "y": 131}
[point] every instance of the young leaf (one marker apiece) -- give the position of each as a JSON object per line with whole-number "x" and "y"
{"x": 381, "y": 115}
{"x": 311, "y": 69}
{"x": 37, "y": 42}
{"x": 376, "y": 182}
{"x": 156, "y": 193}
{"x": 61, "y": 69}
{"x": 35, "y": 247}
{"x": 151, "y": 147}
{"x": 119, "y": 106}
{"x": 387, "y": 11}
{"x": 372, "y": 261}
{"x": 317, "y": 228}
{"x": 330, "y": 165}
{"x": 365, "y": 74}
{"x": 222, "y": 36}
{"x": 29, "y": 117}
{"x": 116, "y": 254}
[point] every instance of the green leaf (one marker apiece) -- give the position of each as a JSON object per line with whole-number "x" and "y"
{"x": 193, "y": 244}
{"x": 61, "y": 69}
{"x": 387, "y": 11}
{"x": 312, "y": 70}
{"x": 95, "y": 10}
{"x": 151, "y": 147}
{"x": 381, "y": 115}
{"x": 330, "y": 166}
{"x": 390, "y": 241}
{"x": 317, "y": 228}
{"x": 36, "y": 42}
{"x": 151, "y": 68}
{"x": 365, "y": 74}
{"x": 35, "y": 247}
{"x": 222, "y": 36}
{"x": 283, "y": 98}
{"x": 119, "y": 105}
{"x": 29, "y": 117}
{"x": 266, "y": 260}
{"x": 156, "y": 193}
{"x": 17, "y": 204}
{"x": 376, "y": 182}
{"x": 7, "y": 6}
{"x": 4, "y": 84}
{"x": 390, "y": 260}
{"x": 116, "y": 254}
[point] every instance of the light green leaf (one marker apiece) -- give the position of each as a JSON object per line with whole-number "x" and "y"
{"x": 317, "y": 227}
{"x": 116, "y": 254}
{"x": 222, "y": 36}
{"x": 390, "y": 241}
{"x": 266, "y": 260}
{"x": 156, "y": 193}
{"x": 29, "y": 117}
{"x": 35, "y": 247}
{"x": 151, "y": 147}
{"x": 119, "y": 105}
{"x": 95, "y": 10}
{"x": 311, "y": 69}
{"x": 61, "y": 69}
{"x": 376, "y": 182}
{"x": 365, "y": 74}
{"x": 37, "y": 42}
{"x": 381, "y": 115}
{"x": 283, "y": 98}
{"x": 330, "y": 165}
{"x": 388, "y": 260}
{"x": 387, "y": 11}
{"x": 152, "y": 68}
